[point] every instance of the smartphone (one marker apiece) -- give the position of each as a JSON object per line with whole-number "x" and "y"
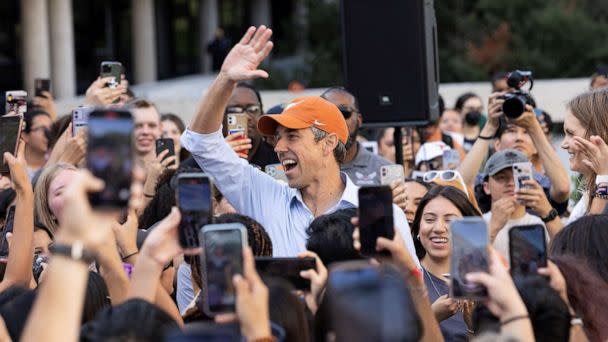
{"x": 522, "y": 172}
{"x": 165, "y": 144}
{"x": 194, "y": 193}
{"x": 16, "y": 102}
{"x": 111, "y": 69}
{"x": 8, "y": 228}
{"x": 237, "y": 122}
{"x": 391, "y": 173}
{"x": 109, "y": 156}
{"x": 451, "y": 160}
{"x": 375, "y": 218}
{"x": 222, "y": 258}
{"x": 286, "y": 268}
{"x": 276, "y": 171}
{"x": 10, "y": 131}
{"x": 527, "y": 249}
{"x": 80, "y": 118}
{"x": 40, "y": 85}
{"x": 469, "y": 239}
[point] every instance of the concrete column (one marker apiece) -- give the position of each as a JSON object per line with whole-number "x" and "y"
{"x": 144, "y": 41}
{"x": 208, "y": 23}
{"x": 301, "y": 21}
{"x": 261, "y": 13}
{"x": 63, "y": 80}
{"x": 36, "y": 59}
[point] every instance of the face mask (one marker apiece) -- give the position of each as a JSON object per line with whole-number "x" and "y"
{"x": 472, "y": 118}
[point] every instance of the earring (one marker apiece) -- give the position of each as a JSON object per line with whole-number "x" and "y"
{"x": 418, "y": 237}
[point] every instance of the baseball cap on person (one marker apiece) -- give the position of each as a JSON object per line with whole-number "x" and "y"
{"x": 430, "y": 150}
{"x": 502, "y": 160}
{"x": 305, "y": 112}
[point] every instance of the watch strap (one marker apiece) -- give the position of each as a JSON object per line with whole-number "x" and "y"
{"x": 76, "y": 251}
{"x": 551, "y": 216}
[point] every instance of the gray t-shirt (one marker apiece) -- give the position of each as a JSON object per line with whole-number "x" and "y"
{"x": 365, "y": 168}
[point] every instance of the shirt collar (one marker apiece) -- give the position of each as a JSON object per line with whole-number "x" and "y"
{"x": 350, "y": 194}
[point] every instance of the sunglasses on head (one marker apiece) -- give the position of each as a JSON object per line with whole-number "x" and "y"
{"x": 346, "y": 111}
{"x": 250, "y": 109}
{"x": 445, "y": 175}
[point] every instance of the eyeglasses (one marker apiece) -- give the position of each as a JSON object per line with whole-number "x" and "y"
{"x": 446, "y": 176}
{"x": 347, "y": 111}
{"x": 249, "y": 109}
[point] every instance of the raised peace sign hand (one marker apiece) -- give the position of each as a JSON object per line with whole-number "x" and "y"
{"x": 243, "y": 60}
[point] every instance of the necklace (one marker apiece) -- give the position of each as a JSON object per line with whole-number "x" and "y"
{"x": 428, "y": 274}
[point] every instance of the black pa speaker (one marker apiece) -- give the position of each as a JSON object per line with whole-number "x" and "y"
{"x": 390, "y": 60}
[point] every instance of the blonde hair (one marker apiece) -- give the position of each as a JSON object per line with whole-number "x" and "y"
{"x": 591, "y": 109}
{"x": 43, "y": 212}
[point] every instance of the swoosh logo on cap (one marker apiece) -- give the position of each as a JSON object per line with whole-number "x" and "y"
{"x": 293, "y": 104}
{"x": 317, "y": 123}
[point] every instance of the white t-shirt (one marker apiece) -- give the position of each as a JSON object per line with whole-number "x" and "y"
{"x": 580, "y": 209}
{"x": 501, "y": 242}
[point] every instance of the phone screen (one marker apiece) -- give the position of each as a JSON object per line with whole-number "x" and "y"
{"x": 286, "y": 268}
{"x": 109, "y": 156}
{"x": 469, "y": 237}
{"x": 223, "y": 258}
{"x": 9, "y": 136}
{"x": 527, "y": 249}
{"x": 42, "y": 84}
{"x": 8, "y": 228}
{"x": 375, "y": 217}
{"x": 194, "y": 200}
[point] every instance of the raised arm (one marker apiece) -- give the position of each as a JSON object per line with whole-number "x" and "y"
{"x": 241, "y": 64}
{"x": 554, "y": 168}
{"x": 19, "y": 266}
{"x": 472, "y": 162}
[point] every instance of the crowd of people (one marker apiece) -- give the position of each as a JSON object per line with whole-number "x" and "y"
{"x": 72, "y": 271}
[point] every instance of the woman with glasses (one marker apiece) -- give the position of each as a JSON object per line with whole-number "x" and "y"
{"x": 246, "y": 99}
{"x": 431, "y": 233}
{"x": 36, "y": 133}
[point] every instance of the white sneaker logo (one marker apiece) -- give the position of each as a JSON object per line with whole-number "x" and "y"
{"x": 317, "y": 123}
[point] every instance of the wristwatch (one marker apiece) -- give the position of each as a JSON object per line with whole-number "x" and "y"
{"x": 551, "y": 216}
{"x": 75, "y": 252}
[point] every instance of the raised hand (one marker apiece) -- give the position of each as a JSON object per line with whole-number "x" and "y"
{"x": 533, "y": 196}
{"x": 99, "y": 94}
{"x": 399, "y": 195}
{"x": 243, "y": 60}
{"x": 239, "y": 144}
{"x": 445, "y": 307}
{"x": 18, "y": 169}
{"x": 317, "y": 277}
{"x": 594, "y": 152}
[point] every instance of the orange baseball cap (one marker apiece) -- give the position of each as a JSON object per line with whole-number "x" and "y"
{"x": 305, "y": 112}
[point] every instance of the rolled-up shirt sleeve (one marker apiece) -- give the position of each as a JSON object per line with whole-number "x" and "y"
{"x": 250, "y": 191}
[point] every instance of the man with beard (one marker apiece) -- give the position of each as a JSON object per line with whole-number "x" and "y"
{"x": 361, "y": 166}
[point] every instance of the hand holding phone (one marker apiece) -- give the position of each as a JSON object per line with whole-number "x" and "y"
{"x": 469, "y": 239}
{"x": 165, "y": 144}
{"x": 16, "y": 102}
{"x": 391, "y": 173}
{"x": 522, "y": 172}
{"x": 286, "y": 268}
{"x": 80, "y": 118}
{"x": 375, "y": 218}
{"x": 111, "y": 69}
{"x": 222, "y": 258}
{"x": 8, "y": 228}
{"x": 41, "y": 85}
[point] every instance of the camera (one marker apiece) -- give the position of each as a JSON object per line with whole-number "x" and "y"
{"x": 515, "y": 101}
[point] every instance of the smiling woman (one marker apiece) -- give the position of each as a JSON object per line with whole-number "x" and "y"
{"x": 430, "y": 230}
{"x": 586, "y": 133}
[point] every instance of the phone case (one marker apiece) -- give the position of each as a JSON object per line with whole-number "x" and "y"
{"x": 391, "y": 173}
{"x": 451, "y": 160}
{"x": 16, "y": 102}
{"x": 111, "y": 69}
{"x": 522, "y": 172}
{"x": 237, "y": 123}
{"x": 80, "y": 118}
{"x": 469, "y": 244}
{"x": 41, "y": 84}
{"x": 189, "y": 236}
{"x": 277, "y": 172}
{"x": 527, "y": 249}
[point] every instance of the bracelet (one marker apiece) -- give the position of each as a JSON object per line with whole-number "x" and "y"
{"x": 149, "y": 196}
{"x": 576, "y": 321}
{"x": 600, "y": 196}
{"x": 415, "y": 272}
{"x": 513, "y": 319}
{"x": 130, "y": 255}
{"x": 484, "y": 138}
{"x": 599, "y": 179}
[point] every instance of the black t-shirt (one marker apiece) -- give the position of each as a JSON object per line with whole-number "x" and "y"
{"x": 265, "y": 155}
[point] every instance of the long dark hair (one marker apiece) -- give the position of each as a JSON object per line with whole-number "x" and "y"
{"x": 458, "y": 199}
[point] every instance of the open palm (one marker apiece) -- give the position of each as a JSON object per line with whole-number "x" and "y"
{"x": 243, "y": 60}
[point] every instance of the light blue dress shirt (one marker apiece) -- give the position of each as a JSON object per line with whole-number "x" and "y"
{"x": 279, "y": 208}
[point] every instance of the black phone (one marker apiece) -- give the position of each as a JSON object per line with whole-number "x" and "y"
{"x": 469, "y": 239}
{"x": 286, "y": 268}
{"x": 8, "y": 228}
{"x": 194, "y": 194}
{"x": 10, "y": 131}
{"x": 165, "y": 144}
{"x": 40, "y": 85}
{"x": 111, "y": 69}
{"x": 109, "y": 156}
{"x": 527, "y": 249}
{"x": 375, "y": 218}
{"x": 221, "y": 260}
